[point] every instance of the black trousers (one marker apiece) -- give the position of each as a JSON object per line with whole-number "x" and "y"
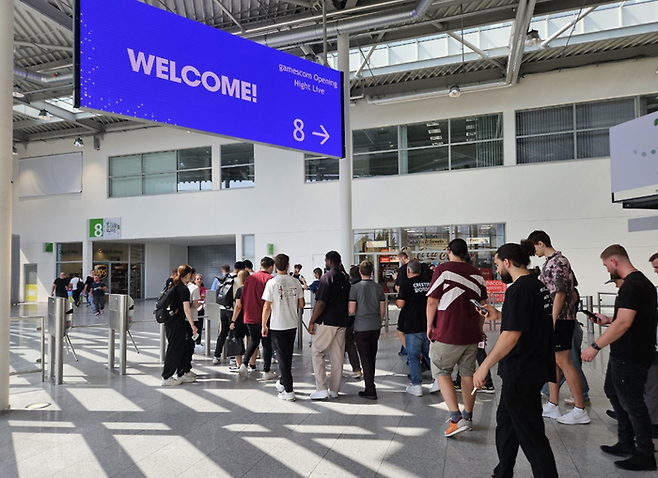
{"x": 189, "y": 348}
{"x": 225, "y": 317}
{"x": 284, "y": 343}
{"x": 256, "y": 338}
{"x": 175, "y": 356}
{"x": 519, "y": 423}
{"x": 624, "y": 387}
{"x": 199, "y": 326}
{"x": 350, "y": 347}
{"x": 367, "y": 343}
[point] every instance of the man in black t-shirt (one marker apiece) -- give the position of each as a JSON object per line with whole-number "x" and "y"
{"x": 632, "y": 339}
{"x": 60, "y": 285}
{"x": 412, "y": 299}
{"x": 401, "y": 278}
{"x": 87, "y": 290}
{"x": 327, "y": 326}
{"x": 526, "y": 359}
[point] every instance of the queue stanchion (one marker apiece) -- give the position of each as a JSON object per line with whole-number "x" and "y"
{"x": 59, "y": 323}
{"x": 211, "y": 313}
{"x": 120, "y": 320}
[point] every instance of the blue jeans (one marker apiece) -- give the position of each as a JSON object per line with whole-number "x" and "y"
{"x": 416, "y": 345}
{"x": 624, "y": 387}
{"x": 576, "y": 345}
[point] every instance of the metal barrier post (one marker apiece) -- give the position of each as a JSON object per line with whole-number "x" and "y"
{"x": 120, "y": 319}
{"x": 58, "y": 309}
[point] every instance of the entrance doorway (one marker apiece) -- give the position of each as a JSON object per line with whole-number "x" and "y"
{"x": 30, "y": 278}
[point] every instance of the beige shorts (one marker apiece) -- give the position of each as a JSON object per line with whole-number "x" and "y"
{"x": 444, "y": 357}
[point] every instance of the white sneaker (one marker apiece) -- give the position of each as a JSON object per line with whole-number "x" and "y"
{"x": 268, "y": 375}
{"x": 333, "y": 394}
{"x": 320, "y": 395}
{"x": 188, "y": 377}
{"x": 577, "y": 416}
{"x": 289, "y": 397}
{"x": 243, "y": 371}
{"x": 551, "y": 411}
{"x": 415, "y": 390}
{"x": 216, "y": 360}
{"x": 173, "y": 380}
{"x": 435, "y": 386}
{"x": 279, "y": 387}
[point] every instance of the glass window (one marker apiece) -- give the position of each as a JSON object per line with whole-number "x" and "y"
{"x": 544, "y": 120}
{"x": 376, "y": 139}
{"x": 604, "y": 114}
{"x": 195, "y": 180}
{"x": 156, "y": 173}
{"x": 427, "y": 159}
{"x": 126, "y": 165}
{"x": 121, "y": 187}
{"x": 237, "y": 166}
{"x": 376, "y": 164}
{"x": 569, "y": 132}
{"x": 429, "y": 146}
{"x": 320, "y": 168}
{"x": 194, "y": 158}
{"x": 160, "y": 183}
{"x": 162, "y": 162}
{"x": 648, "y": 104}
{"x": 433, "y": 133}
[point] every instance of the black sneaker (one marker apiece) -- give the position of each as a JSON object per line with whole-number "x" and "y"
{"x": 637, "y": 462}
{"x": 251, "y": 368}
{"x": 402, "y": 351}
{"x": 368, "y": 395}
{"x": 617, "y": 450}
{"x": 457, "y": 385}
{"x": 611, "y": 414}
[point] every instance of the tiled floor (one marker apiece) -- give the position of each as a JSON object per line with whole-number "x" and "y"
{"x": 101, "y": 424}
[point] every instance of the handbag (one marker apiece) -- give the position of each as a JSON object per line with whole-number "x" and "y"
{"x": 233, "y": 346}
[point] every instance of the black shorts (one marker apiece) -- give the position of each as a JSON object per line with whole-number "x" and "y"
{"x": 564, "y": 334}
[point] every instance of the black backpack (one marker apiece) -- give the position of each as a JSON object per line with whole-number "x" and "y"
{"x": 166, "y": 308}
{"x": 224, "y": 295}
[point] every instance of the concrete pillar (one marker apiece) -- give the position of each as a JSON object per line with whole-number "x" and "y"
{"x": 6, "y": 103}
{"x": 345, "y": 164}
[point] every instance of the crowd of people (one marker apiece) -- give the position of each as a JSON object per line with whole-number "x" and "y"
{"x": 441, "y": 325}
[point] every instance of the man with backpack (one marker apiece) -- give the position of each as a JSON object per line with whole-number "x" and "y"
{"x": 227, "y": 287}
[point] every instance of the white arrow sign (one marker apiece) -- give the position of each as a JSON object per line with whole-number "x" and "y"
{"x": 324, "y": 135}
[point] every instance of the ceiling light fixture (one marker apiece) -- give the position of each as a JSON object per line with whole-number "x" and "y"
{"x": 454, "y": 92}
{"x": 532, "y": 38}
{"x": 78, "y": 142}
{"x": 44, "y": 115}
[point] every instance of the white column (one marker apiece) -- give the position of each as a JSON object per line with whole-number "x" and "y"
{"x": 345, "y": 164}
{"x": 6, "y": 85}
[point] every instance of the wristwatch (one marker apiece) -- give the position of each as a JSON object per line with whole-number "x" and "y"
{"x": 595, "y": 346}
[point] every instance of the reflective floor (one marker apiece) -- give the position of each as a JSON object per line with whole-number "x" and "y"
{"x": 101, "y": 424}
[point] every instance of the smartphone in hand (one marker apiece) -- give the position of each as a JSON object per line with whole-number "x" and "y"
{"x": 592, "y": 316}
{"x": 479, "y": 306}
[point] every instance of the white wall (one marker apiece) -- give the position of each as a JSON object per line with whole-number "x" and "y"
{"x": 570, "y": 200}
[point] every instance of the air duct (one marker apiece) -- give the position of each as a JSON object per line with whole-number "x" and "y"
{"x": 66, "y": 78}
{"x": 365, "y": 23}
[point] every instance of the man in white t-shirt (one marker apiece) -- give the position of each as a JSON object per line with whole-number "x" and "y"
{"x": 283, "y": 295}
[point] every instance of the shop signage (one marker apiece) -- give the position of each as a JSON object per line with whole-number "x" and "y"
{"x": 143, "y": 62}
{"x": 472, "y": 241}
{"x": 376, "y": 244}
{"x": 432, "y": 256}
{"x": 495, "y": 286}
{"x": 105, "y": 228}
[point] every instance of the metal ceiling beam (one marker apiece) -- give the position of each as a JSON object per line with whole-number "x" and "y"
{"x": 367, "y": 56}
{"x": 578, "y": 18}
{"x": 477, "y": 50}
{"x": 49, "y": 14}
{"x": 229, "y": 14}
{"x": 45, "y": 46}
{"x": 517, "y": 41}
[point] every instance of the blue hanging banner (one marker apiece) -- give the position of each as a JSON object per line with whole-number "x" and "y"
{"x": 138, "y": 61}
